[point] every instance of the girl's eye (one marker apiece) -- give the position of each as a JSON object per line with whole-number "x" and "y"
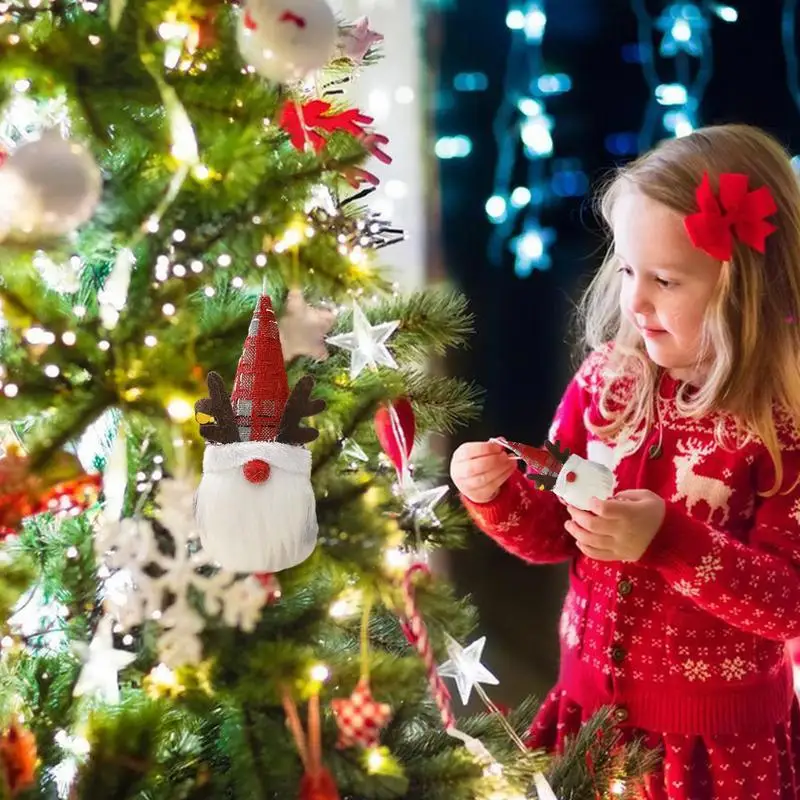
{"x": 664, "y": 283}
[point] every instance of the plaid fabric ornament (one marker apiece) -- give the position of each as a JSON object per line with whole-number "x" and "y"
{"x": 261, "y": 388}
{"x": 542, "y": 464}
{"x": 360, "y": 718}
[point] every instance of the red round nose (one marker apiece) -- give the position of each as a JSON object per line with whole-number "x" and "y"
{"x": 256, "y": 471}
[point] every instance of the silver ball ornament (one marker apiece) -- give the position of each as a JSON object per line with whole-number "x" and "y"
{"x": 50, "y": 186}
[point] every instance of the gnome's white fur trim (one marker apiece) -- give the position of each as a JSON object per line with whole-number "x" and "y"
{"x": 257, "y": 527}
{"x": 589, "y": 480}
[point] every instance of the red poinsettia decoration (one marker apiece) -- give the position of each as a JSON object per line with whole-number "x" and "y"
{"x": 737, "y": 212}
{"x": 303, "y": 122}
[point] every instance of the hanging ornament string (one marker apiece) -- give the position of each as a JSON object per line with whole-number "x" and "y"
{"x": 308, "y": 145}
{"x": 317, "y": 781}
{"x": 314, "y": 734}
{"x": 493, "y": 709}
{"x": 365, "y": 635}
{"x": 404, "y": 473}
{"x": 296, "y": 727}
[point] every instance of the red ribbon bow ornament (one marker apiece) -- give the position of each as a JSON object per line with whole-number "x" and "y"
{"x": 737, "y": 212}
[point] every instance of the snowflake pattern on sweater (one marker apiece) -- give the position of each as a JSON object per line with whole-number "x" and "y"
{"x": 689, "y": 639}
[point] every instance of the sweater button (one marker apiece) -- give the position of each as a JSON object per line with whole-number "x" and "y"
{"x": 621, "y": 714}
{"x": 624, "y": 587}
{"x": 618, "y": 654}
{"x": 655, "y": 451}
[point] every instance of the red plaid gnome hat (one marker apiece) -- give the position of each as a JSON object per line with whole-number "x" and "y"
{"x": 261, "y": 388}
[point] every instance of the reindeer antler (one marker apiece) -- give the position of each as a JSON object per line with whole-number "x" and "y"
{"x": 544, "y": 481}
{"x": 218, "y": 405}
{"x": 556, "y": 451}
{"x": 299, "y": 405}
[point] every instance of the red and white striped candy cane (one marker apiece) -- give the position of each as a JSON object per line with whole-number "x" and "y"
{"x": 417, "y": 635}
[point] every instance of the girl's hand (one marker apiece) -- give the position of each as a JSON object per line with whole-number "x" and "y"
{"x": 619, "y": 529}
{"x": 479, "y": 469}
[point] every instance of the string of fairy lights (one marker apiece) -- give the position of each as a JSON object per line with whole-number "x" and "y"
{"x": 524, "y": 126}
{"x": 789, "y": 40}
{"x": 685, "y": 50}
{"x": 674, "y": 50}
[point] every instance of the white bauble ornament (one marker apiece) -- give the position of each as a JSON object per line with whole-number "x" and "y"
{"x": 286, "y": 39}
{"x": 581, "y": 480}
{"x": 55, "y": 185}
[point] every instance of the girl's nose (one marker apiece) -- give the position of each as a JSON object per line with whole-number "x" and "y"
{"x": 640, "y": 301}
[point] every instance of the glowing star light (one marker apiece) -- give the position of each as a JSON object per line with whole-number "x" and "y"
{"x": 102, "y": 663}
{"x": 421, "y": 502}
{"x": 366, "y": 343}
{"x": 465, "y": 667}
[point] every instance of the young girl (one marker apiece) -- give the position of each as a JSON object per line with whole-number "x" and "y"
{"x": 685, "y": 585}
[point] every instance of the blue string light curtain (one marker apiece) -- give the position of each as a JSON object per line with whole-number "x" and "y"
{"x": 523, "y": 126}
{"x": 685, "y": 48}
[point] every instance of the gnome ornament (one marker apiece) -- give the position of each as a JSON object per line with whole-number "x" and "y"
{"x": 572, "y": 478}
{"x": 255, "y": 505}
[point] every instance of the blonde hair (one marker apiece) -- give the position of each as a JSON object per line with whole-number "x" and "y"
{"x": 747, "y": 328}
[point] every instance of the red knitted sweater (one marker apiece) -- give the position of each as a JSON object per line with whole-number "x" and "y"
{"x": 690, "y": 638}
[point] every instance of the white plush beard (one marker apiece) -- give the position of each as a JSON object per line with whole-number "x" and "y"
{"x": 257, "y": 527}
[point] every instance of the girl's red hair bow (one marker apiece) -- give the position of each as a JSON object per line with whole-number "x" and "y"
{"x": 737, "y": 211}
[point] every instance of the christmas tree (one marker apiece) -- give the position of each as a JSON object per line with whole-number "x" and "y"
{"x": 180, "y": 202}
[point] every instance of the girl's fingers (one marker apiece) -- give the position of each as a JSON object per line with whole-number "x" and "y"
{"x": 591, "y": 522}
{"x": 493, "y": 478}
{"x": 598, "y": 554}
{"x": 476, "y": 449}
{"x": 477, "y": 467}
{"x": 588, "y": 537}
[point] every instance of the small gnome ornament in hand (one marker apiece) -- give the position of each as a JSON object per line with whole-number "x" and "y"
{"x": 255, "y": 505}
{"x": 572, "y": 478}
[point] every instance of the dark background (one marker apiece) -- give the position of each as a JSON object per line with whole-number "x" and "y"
{"x": 521, "y": 352}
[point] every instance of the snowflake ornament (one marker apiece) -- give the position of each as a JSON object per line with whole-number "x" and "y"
{"x": 131, "y": 555}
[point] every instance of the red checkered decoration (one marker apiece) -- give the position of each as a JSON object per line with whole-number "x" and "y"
{"x": 261, "y": 388}
{"x": 360, "y": 717}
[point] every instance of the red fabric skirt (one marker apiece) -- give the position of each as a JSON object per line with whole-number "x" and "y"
{"x": 730, "y": 767}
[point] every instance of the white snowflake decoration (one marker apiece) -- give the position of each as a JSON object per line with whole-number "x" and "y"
{"x": 696, "y": 670}
{"x": 709, "y": 566}
{"x": 686, "y": 588}
{"x": 734, "y": 669}
{"x": 133, "y": 596}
